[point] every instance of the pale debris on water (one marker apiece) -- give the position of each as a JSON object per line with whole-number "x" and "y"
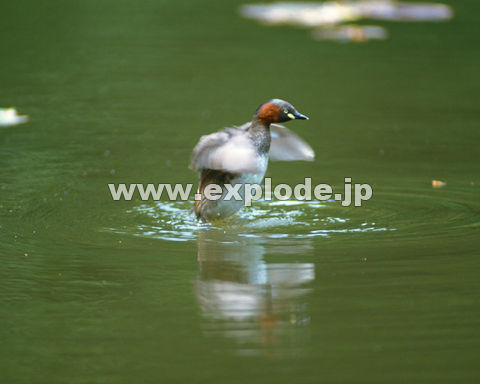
{"x": 355, "y": 33}
{"x": 327, "y": 15}
{"x": 303, "y": 14}
{"x": 438, "y": 183}
{"x": 10, "y": 116}
{"x": 332, "y": 12}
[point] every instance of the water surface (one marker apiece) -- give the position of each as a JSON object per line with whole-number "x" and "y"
{"x": 99, "y": 291}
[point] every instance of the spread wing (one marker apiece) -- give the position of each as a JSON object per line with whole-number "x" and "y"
{"x": 287, "y": 146}
{"x": 229, "y": 150}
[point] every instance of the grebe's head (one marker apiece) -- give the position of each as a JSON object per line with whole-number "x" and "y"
{"x": 277, "y": 111}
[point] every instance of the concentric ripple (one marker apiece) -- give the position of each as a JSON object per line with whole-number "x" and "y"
{"x": 408, "y": 212}
{"x": 173, "y": 221}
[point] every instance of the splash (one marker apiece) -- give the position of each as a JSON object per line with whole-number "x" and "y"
{"x": 172, "y": 221}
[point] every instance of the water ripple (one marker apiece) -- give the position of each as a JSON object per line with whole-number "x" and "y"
{"x": 410, "y": 213}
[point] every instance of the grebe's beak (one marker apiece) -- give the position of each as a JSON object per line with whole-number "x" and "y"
{"x": 297, "y": 116}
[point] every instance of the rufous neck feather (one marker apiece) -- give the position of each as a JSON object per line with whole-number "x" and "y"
{"x": 267, "y": 114}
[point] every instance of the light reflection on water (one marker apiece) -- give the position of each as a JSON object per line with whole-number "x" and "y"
{"x": 256, "y": 299}
{"x": 259, "y": 305}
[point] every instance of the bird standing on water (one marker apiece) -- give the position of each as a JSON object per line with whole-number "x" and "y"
{"x": 239, "y": 155}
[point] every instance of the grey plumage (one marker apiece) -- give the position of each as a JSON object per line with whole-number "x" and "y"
{"x": 239, "y": 155}
{"x": 284, "y": 146}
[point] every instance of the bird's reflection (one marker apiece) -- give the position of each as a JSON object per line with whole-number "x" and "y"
{"x": 261, "y": 305}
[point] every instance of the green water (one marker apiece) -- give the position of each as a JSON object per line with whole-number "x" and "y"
{"x": 98, "y": 291}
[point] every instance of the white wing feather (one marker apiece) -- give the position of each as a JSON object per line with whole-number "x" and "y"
{"x": 232, "y": 151}
{"x": 288, "y": 146}
{"x": 229, "y": 150}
